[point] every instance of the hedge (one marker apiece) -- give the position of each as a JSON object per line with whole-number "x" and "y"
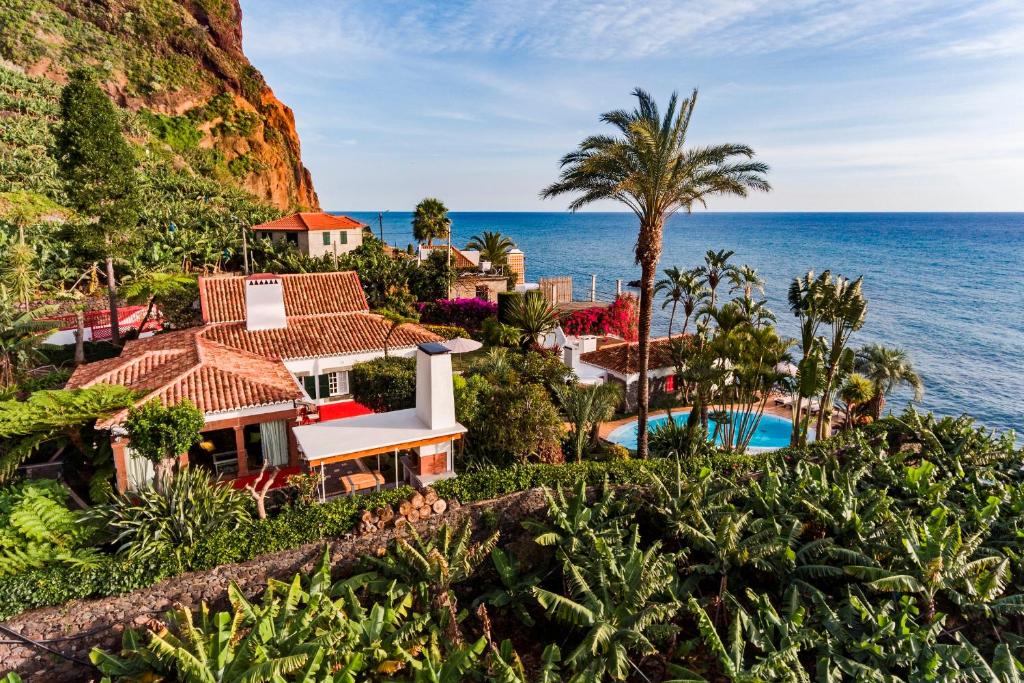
{"x": 385, "y": 384}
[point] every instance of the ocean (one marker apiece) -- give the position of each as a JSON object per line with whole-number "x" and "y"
{"x": 947, "y": 287}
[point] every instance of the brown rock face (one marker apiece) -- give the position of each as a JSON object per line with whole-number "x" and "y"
{"x": 176, "y": 58}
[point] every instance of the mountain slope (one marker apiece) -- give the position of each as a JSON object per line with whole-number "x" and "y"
{"x": 192, "y": 99}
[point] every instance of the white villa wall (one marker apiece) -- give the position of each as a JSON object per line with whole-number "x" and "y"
{"x": 304, "y": 367}
{"x": 315, "y": 242}
{"x": 312, "y": 242}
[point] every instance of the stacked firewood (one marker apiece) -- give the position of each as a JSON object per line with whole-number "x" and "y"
{"x": 421, "y": 505}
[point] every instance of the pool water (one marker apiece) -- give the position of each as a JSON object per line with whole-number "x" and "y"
{"x": 772, "y": 431}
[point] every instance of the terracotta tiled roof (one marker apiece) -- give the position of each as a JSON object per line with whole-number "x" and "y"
{"x": 320, "y": 335}
{"x": 459, "y": 260}
{"x": 184, "y": 364}
{"x": 222, "y": 298}
{"x": 302, "y": 221}
{"x": 624, "y": 358}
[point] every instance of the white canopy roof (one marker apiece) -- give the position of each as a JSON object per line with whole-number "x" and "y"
{"x": 367, "y": 434}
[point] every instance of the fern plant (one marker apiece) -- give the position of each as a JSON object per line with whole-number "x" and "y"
{"x": 37, "y": 528}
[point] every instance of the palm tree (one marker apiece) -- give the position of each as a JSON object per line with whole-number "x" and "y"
{"x": 586, "y": 407}
{"x": 856, "y": 391}
{"x": 493, "y": 247}
{"x": 715, "y": 269}
{"x": 887, "y": 368}
{"x": 430, "y": 221}
{"x": 533, "y": 315}
{"x": 680, "y": 287}
{"x": 806, "y": 303}
{"x": 745, "y": 279}
{"x": 845, "y": 308}
{"x": 395, "y": 320}
{"x": 648, "y": 167}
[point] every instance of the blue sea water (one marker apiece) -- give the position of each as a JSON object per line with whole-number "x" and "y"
{"x": 947, "y": 287}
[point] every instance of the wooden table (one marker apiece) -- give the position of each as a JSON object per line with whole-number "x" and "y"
{"x": 360, "y": 481}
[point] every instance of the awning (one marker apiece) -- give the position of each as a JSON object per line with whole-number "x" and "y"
{"x": 365, "y": 435}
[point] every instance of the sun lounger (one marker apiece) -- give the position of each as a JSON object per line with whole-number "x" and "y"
{"x": 785, "y": 400}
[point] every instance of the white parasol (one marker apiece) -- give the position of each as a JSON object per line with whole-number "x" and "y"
{"x": 461, "y": 345}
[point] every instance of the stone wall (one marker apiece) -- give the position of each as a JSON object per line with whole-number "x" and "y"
{"x": 74, "y": 628}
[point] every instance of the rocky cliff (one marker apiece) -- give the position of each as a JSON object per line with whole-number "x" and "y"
{"x": 176, "y": 66}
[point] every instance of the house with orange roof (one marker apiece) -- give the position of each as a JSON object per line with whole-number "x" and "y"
{"x": 619, "y": 362}
{"x": 314, "y": 233}
{"x": 274, "y": 352}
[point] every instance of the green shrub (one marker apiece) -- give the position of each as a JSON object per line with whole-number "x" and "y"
{"x": 177, "y": 131}
{"x": 56, "y": 585}
{"x": 447, "y": 331}
{"x": 385, "y": 383}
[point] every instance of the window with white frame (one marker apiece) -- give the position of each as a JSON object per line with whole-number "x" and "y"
{"x": 337, "y": 383}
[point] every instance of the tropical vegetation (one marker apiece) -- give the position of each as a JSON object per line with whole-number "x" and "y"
{"x": 859, "y": 558}
{"x": 648, "y": 167}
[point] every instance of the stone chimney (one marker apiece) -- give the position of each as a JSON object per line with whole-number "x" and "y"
{"x": 435, "y": 397}
{"x": 264, "y": 302}
{"x": 571, "y": 356}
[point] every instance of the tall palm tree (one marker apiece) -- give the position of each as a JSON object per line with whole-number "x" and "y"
{"x": 845, "y": 309}
{"x": 21, "y": 335}
{"x": 150, "y": 287}
{"x": 745, "y": 279}
{"x": 806, "y": 302}
{"x": 493, "y": 247}
{"x": 680, "y": 287}
{"x": 887, "y": 368}
{"x": 430, "y": 221}
{"x": 647, "y": 166}
{"x": 715, "y": 269}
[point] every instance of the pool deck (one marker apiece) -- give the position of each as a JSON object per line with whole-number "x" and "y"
{"x": 771, "y": 409}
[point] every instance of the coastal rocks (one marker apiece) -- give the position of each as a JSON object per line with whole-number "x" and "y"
{"x": 173, "y": 59}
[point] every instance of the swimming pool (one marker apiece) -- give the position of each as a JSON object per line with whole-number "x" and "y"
{"x": 772, "y": 431}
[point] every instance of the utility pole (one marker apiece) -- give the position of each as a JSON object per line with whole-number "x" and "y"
{"x": 448, "y": 273}
{"x": 618, "y": 288}
{"x": 593, "y": 287}
{"x": 380, "y": 224}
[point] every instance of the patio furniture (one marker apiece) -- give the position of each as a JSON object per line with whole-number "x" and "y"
{"x": 361, "y": 481}
{"x": 224, "y": 462}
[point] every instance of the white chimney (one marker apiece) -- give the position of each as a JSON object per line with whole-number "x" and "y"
{"x": 571, "y": 356}
{"x": 435, "y": 397}
{"x": 264, "y": 303}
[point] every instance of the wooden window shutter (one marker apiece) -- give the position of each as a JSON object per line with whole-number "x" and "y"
{"x": 309, "y": 384}
{"x": 324, "y": 383}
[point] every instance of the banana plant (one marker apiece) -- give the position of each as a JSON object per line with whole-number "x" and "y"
{"x": 433, "y": 566}
{"x": 516, "y": 590}
{"x": 572, "y": 522}
{"x": 622, "y": 601}
{"x": 932, "y": 559}
{"x": 762, "y": 644}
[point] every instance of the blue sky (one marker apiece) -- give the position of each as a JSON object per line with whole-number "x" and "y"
{"x": 880, "y": 105}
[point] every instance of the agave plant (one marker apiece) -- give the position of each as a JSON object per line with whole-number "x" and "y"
{"x": 192, "y": 506}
